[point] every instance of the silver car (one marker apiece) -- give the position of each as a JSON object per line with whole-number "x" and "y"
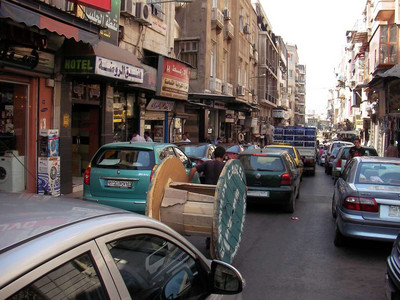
{"x": 66, "y": 248}
{"x": 366, "y": 200}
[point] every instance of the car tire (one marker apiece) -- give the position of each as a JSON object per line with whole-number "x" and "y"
{"x": 291, "y": 205}
{"x": 298, "y": 192}
{"x": 334, "y": 214}
{"x": 340, "y": 240}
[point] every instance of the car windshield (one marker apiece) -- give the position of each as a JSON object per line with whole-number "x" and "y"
{"x": 234, "y": 149}
{"x": 290, "y": 150}
{"x": 335, "y": 151}
{"x": 379, "y": 173}
{"x": 198, "y": 151}
{"x": 262, "y": 163}
{"x": 124, "y": 158}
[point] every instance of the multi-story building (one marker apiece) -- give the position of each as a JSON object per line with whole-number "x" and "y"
{"x": 218, "y": 38}
{"x": 293, "y": 60}
{"x": 300, "y": 96}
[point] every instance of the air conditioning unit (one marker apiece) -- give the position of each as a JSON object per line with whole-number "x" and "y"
{"x": 246, "y": 29}
{"x": 240, "y": 90}
{"x": 143, "y": 13}
{"x": 128, "y": 8}
{"x": 227, "y": 14}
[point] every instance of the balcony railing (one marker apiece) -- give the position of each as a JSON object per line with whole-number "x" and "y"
{"x": 229, "y": 30}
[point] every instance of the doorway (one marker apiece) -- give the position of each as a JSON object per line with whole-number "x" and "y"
{"x": 85, "y": 136}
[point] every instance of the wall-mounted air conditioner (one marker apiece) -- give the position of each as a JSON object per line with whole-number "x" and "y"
{"x": 227, "y": 14}
{"x": 240, "y": 90}
{"x": 143, "y": 13}
{"x": 246, "y": 29}
{"x": 128, "y": 8}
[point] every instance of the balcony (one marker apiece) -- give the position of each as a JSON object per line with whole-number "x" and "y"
{"x": 215, "y": 85}
{"x": 385, "y": 44}
{"x": 229, "y": 30}
{"x": 217, "y": 18}
{"x": 383, "y": 10}
{"x": 227, "y": 89}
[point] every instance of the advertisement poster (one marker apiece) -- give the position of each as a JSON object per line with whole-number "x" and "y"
{"x": 174, "y": 81}
{"x": 159, "y": 134}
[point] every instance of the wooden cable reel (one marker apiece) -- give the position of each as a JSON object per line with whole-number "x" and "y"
{"x": 215, "y": 211}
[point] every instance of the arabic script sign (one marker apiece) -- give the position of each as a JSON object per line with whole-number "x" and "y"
{"x": 118, "y": 70}
{"x": 174, "y": 81}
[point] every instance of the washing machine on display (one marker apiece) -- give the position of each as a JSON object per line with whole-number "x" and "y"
{"x": 12, "y": 173}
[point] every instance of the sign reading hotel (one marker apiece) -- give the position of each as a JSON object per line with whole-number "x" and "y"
{"x": 173, "y": 79}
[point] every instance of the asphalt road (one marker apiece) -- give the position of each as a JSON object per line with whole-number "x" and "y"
{"x": 282, "y": 258}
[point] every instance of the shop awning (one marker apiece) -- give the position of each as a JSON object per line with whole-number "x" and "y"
{"x": 392, "y": 72}
{"x": 113, "y": 52}
{"x": 47, "y": 20}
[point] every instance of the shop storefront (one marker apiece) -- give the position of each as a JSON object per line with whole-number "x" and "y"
{"x": 102, "y": 102}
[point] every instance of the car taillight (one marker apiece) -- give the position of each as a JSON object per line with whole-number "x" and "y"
{"x": 339, "y": 163}
{"x": 152, "y": 172}
{"x": 286, "y": 179}
{"x": 361, "y": 204}
{"x": 309, "y": 160}
{"x": 86, "y": 175}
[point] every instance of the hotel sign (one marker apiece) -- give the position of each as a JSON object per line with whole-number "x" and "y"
{"x": 103, "y": 66}
{"x": 173, "y": 80}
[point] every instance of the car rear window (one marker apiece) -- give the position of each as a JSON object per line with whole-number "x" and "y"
{"x": 262, "y": 163}
{"x": 197, "y": 151}
{"x": 379, "y": 173}
{"x": 133, "y": 159}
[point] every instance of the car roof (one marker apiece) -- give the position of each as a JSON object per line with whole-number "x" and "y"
{"x": 142, "y": 145}
{"x": 274, "y": 152}
{"x": 279, "y": 145}
{"x": 378, "y": 159}
{"x": 24, "y": 216}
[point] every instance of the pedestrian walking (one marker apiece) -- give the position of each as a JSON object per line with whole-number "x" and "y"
{"x": 211, "y": 168}
{"x": 147, "y": 137}
{"x": 137, "y": 138}
{"x": 392, "y": 150}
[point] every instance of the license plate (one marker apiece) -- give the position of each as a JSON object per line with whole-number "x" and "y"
{"x": 258, "y": 193}
{"x": 123, "y": 184}
{"x": 394, "y": 211}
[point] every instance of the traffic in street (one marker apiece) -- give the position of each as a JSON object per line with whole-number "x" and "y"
{"x": 292, "y": 256}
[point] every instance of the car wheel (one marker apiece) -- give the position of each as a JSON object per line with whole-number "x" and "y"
{"x": 291, "y": 205}
{"x": 334, "y": 215}
{"x": 298, "y": 192}
{"x": 339, "y": 240}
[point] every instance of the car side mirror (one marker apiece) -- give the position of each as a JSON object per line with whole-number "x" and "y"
{"x": 225, "y": 279}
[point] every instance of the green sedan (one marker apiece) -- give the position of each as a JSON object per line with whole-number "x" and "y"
{"x": 272, "y": 177}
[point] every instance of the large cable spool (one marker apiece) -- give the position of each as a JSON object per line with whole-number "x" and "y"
{"x": 215, "y": 211}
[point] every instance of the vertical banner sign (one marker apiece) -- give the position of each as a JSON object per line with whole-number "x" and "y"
{"x": 173, "y": 81}
{"x": 109, "y": 19}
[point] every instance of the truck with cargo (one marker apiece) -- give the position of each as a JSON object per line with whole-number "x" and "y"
{"x": 304, "y": 139}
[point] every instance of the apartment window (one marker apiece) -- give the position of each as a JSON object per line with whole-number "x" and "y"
{"x": 188, "y": 51}
{"x": 388, "y": 45}
{"x": 214, "y": 3}
{"x": 245, "y": 77}
{"x": 213, "y": 59}
{"x": 241, "y": 20}
{"x": 156, "y": 8}
{"x": 239, "y": 76}
{"x": 226, "y": 4}
{"x": 290, "y": 74}
{"x": 225, "y": 67}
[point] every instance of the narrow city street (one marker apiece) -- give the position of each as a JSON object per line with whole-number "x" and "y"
{"x": 285, "y": 258}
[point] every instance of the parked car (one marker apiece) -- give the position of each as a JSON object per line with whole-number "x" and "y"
{"x": 365, "y": 201}
{"x": 61, "y": 248}
{"x": 393, "y": 271}
{"x": 119, "y": 174}
{"x": 340, "y": 160}
{"x": 197, "y": 152}
{"x": 293, "y": 152}
{"x": 331, "y": 154}
{"x": 272, "y": 177}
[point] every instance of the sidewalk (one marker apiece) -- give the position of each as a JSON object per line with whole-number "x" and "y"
{"x": 77, "y": 188}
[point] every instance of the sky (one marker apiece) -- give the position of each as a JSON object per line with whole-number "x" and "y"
{"x": 318, "y": 28}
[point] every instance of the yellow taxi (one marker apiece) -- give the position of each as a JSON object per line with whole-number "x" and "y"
{"x": 293, "y": 152}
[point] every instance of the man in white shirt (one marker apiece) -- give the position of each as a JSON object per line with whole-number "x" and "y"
{"x": 137, "y": 138}
{"x": 147, "y": 137}
{"x": 185, "y": 138}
